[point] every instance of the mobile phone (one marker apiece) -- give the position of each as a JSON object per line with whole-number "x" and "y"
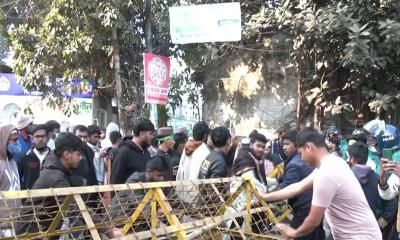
{"x": 387, "y": 153}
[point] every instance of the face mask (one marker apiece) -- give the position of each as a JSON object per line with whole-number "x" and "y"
{"x": 14, "y": 148}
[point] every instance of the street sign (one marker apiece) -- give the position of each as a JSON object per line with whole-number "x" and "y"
{"x": 205, "y": 23}
{"x": 156, "y": 78}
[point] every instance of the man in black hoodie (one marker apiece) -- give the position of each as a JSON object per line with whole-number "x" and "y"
{"x": 295, "y": 170}
{"x": 58, "y": 172}
{"x": 384, "y": 210}
{"x": 133, "y": 155}
{"x": 30, "y": 164}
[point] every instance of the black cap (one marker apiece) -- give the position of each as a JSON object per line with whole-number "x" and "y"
{"x": 359, "y": 134}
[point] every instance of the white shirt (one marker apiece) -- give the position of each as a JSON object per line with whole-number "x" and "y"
{"x": 51, "y": 144}
{"x": 40, "y": 156}
{"x": 393, "y": 190}
{"x": 189, "y": 168}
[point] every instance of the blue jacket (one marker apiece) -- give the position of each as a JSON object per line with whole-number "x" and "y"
{"x": 294, "y": 171}
{"x": 26, "y": 145}
{"x": 369, "y": 182}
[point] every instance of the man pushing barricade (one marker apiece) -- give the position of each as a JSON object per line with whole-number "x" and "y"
{"x": 337, "y": 194}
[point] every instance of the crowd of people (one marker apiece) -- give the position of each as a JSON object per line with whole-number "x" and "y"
{"x": 337, "y": 187}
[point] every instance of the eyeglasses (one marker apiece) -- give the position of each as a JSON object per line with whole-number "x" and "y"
{"x": 40, "y": 136}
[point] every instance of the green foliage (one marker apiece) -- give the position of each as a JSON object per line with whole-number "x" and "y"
{"x": 182, "y": 88}
{"x": 345, "y": 52}
{"x": 4, "y": 43}
{"x": 66, "y": 39}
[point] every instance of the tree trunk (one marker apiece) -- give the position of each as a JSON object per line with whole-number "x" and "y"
{"x": 299, "y": 97}
{"x": 298, "y": 107}
{"x": 162, "y": 116}
{"x": 318, "y": 117}
{"x": 118, "y": 85}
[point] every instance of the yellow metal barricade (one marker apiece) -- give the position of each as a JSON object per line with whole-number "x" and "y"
{"x": 204, "y": 209}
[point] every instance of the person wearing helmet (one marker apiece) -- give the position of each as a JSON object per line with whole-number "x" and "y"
{"x": 362, "y": 135}
{"x": 389, "y": 142}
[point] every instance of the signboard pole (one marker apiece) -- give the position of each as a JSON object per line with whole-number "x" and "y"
{"x": 149, "y": 45}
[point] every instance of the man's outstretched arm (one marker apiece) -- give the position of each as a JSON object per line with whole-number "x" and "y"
{"x": 290, "y": 191}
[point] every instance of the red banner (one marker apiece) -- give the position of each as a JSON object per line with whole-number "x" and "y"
{"x": 156, "y": 78}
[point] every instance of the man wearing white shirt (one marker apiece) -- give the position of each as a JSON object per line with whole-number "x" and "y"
{"x": 337, "y": 194}
{"x": 194, "y": 153}
{"x": 93, "y": 142}
{"x": 30, "y": 164}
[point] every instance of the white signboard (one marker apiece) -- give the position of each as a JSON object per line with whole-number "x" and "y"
{"x": 42, "y": 113}
{"x": 205, "y": 23}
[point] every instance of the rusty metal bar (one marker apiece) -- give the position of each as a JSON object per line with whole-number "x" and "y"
{"x": 166, "y": 208}
{"x": 86, "y": 217}
{"x": 192, "y": 225}
{"x": 106, "y": 188}
{"x": 237, "y": 233}
{"x": 60, "y": 214}
{"x": 154, "y": 216}
{"x": 231, "y": 199}
{"x": 247, "y": 217}
{"x": 137, "y": 211}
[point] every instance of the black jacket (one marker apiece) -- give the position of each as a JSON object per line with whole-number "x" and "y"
{"x": 246, "y": 160}
{"x": 214, "y": 166}
{"x": 29, "y": 169}
{"x": 86, "y": 167}
{"x": 175, "y": 158}
{"x": 294, "y": 171}
{"x": 113, "y": 152}
{"x": 369, "y": 182}
{"x": 167, "y": 158}
{"x": 130, "y": 159}
{"x": 52, "y": 175}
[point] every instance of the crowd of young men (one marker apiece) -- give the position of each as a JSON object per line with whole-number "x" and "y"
{"x": 330, "y": 197}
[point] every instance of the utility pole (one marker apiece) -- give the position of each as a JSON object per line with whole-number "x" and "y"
{"x": 149, "y": 45}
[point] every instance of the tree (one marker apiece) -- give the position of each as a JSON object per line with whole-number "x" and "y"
{"x": 68, "y": 39}
{"x": 346, "y": 53}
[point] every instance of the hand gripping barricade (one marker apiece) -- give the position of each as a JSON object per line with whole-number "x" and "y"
{"x": 228, "y": 208}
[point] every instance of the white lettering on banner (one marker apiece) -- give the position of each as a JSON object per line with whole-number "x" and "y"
{"x": 157, "y": 89}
